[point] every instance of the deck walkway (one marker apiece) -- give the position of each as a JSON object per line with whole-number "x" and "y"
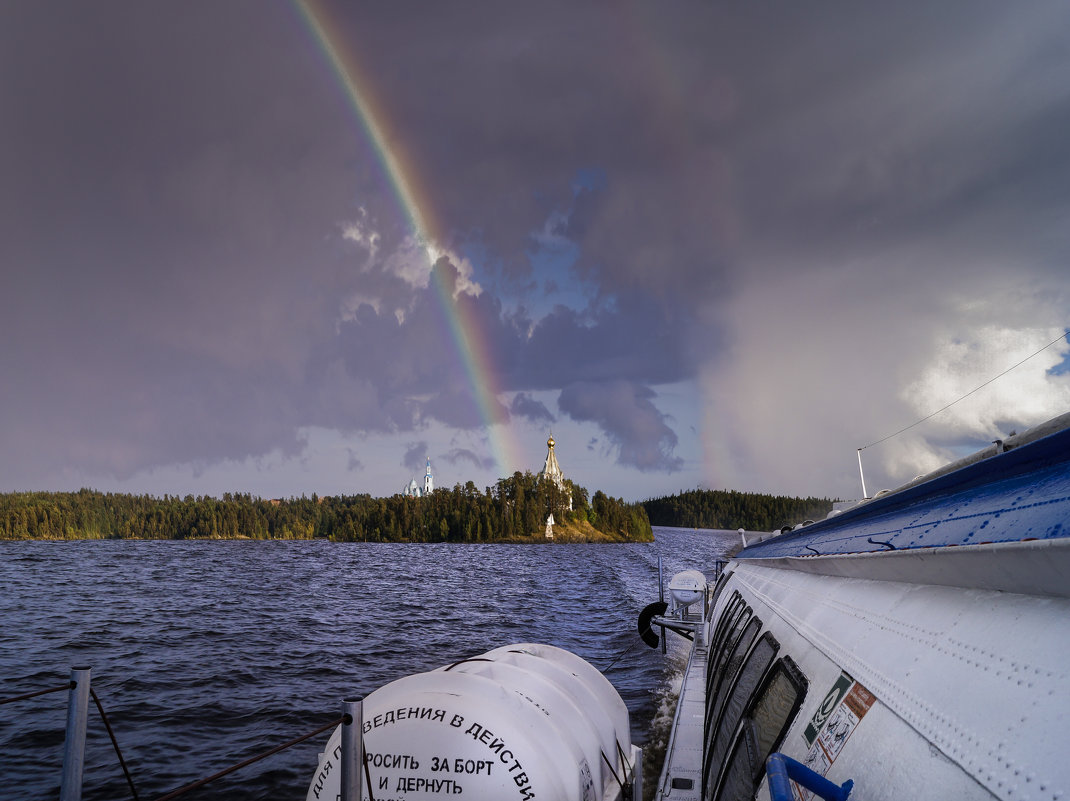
{"x": 681, "y": 776}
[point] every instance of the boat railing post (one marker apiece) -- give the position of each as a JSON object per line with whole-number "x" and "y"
{"x": 70, "y": 786}
{"x": 661, "y": 598}
{"x": 352, "y": 749}
{"x": 637, "y": 773}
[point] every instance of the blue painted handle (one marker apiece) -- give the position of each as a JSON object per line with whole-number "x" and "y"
{"x": 780, "y": 768}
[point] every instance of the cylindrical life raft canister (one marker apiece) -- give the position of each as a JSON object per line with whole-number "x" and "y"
{"x": 687, "y": 587}
{"x": 521, "y": 722}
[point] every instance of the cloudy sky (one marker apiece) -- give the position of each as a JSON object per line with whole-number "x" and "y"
{"x": 285, "y": 248}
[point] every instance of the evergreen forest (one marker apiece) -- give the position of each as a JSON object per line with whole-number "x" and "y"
{"x": 514, "y": 509}
{"x": 728, "y": 509}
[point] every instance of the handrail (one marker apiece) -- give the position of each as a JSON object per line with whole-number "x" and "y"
{"x": 780, "y": 768}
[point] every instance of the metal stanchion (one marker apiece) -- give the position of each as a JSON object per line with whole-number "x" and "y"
{"x": 637, "y": 773}
{"x": 70, "y": 788}
{"x": 352, "y": 749}
{"x": 661, "y": 597}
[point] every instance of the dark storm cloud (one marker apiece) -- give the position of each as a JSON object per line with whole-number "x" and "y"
{"x": 415, "y": 358}
{"x": 625, "y": 412}
{"x": 464, "y": 455}
{"x": 722, "y": 128}
{"x": 161, "y": 236}
{"x": 176, "y": 180}
{"x": 632, "y": 336}
{"x": 415, "y": 457}
{"x": 524, "y": 405}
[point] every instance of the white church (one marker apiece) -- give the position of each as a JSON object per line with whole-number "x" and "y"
{"x": 551, "y": 470}
{"x": 414, "y": 490}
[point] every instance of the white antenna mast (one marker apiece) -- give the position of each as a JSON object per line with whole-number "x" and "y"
{"x": 1063, "y": 336}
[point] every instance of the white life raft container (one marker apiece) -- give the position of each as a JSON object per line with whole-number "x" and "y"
{"x": 521, "y": 722}
{"x": 687, "y": 587}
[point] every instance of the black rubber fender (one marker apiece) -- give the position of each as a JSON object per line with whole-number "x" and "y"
{"x": 648, "y": 614}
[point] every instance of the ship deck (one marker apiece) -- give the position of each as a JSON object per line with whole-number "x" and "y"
{"x": 681, "y": 775}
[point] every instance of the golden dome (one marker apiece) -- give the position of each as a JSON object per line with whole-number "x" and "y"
{"x": 550, "y": 441}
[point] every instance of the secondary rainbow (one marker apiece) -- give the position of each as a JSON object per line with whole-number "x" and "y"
{"x": 414, "y": 204}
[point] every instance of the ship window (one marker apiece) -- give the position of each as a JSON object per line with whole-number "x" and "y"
{"x": 719, "y": 668}
{"x": 768, "y": 718}
{"x": 721, "y": 581}
{"x": 730, "y": 609}
{"x": 724, "y": 623}
{"x": 737, "y": 781}
{"x": 725, "y": 722}
{"x": 736, "y": 652}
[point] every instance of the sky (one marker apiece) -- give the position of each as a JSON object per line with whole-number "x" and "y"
{"x": 288, "y": 248}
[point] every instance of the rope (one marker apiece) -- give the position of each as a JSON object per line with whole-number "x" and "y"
{"x": 1061, "y": 336}
{"x": 250, "y": 761}
{"x": 68, "y": 686}
{"x": 614, "y": 772}
{"x": 623, "y": 764}
{"x": 618, "y": 656}
{"x": 114, "y": 742}
{"x": 367, "y": 775}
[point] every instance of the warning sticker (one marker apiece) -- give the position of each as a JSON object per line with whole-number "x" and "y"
{"x": 838, "y": 726}
{"x": 835, "y": 694}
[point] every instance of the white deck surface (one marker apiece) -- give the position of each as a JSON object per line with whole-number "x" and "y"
{"x": 683, "y": 757}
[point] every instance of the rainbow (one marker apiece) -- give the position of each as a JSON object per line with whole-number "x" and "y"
{"x": 413, "y": 200}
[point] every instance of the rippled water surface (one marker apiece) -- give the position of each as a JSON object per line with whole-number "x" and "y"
{"x": 204, "y": 653}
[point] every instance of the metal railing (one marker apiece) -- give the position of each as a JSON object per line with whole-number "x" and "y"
{"x": 79, "y": 691}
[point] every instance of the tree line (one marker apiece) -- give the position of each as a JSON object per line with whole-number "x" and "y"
{"x": 728, "y": 509}
{"x": 515, "y": 508}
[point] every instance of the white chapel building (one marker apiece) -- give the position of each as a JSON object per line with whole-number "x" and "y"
{"x": 414, "y": 490}
{"x": 552, "y": 470}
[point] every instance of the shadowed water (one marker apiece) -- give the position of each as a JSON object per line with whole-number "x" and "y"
{"x": 204, "y": 653}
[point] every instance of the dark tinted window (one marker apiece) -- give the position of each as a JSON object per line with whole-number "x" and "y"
{"x": 731, "y": 608}
{"x": 776, "y": 705}
{"x": 717, "y": 641}
{"x": 721, "y": 581}
{"x": 729, "y": 659}
{"x": 724, "y": 721}
{"x": 720, "y": 655}
{"x": 737, "y": 782}
{"x": 769, "y": 716}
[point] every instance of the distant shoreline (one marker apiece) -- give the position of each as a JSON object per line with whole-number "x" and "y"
{"x": 515, "y": 510}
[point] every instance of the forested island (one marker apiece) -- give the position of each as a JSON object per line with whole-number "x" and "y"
{"x": 729, "y": 509}
{"x": 513, "y": 510}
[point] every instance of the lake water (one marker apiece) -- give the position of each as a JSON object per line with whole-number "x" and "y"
{"x": 204, "y": 653}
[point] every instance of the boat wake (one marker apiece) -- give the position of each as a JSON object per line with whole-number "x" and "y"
{"x": 664, "y": 699}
